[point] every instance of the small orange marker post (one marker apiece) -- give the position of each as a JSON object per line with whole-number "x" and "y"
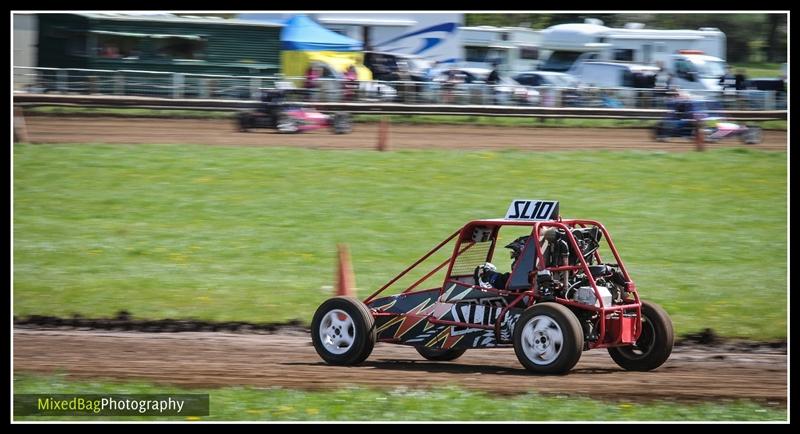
{"x": 346, "y": 281}
{"x": 699, "y": 140}
{"x": 20, "y": 130}
{"x": 383, "y": 134}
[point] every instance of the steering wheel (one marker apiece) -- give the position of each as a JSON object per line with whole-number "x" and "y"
{"x": 477, "y": 276}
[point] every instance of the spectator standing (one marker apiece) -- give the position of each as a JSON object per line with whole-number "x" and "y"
{"x": 404, "y": 81}
{"x": 494, "y": 76}
{"x": 313, "y": 74}
{"x": 728, "y": 84}
{"x": 350, "y": 83}
{"x": 741, "y": 85}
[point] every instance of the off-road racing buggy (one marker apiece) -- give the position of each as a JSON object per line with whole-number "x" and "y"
{"x": 559, "y": 299}
{"x": 276, "y": 113}
{"x": 686, "y": 113}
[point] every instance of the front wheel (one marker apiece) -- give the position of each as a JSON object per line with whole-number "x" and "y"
{"x": 439, "y": 354}
{"x": 286, "y": 124}
{"x": 343, "y": 331}
{"x": 341, "y": 123}
{"x": 243, "y": 122}
{"x": 548, "y": 339}
{"x": 654, "y": 345}
{"x": 660, "y": 132}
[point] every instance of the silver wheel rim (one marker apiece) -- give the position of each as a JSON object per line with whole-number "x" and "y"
{"x": 542, "y": 340}
{"x": 337, "y": 331}
{"x": 286, "y": 125}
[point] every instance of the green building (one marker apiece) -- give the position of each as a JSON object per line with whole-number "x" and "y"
{"x": 184, "y": 45}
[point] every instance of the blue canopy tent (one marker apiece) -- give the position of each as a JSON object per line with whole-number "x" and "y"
{"x": 301, "y": 33}
{"x": 304, "y": 42}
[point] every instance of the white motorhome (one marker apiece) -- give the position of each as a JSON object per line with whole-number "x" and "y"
{"x": 512, "y": 49}
{"x": 695, "y": 58}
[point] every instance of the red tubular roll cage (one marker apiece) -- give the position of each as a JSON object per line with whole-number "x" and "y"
{"x": 464, "y": 242}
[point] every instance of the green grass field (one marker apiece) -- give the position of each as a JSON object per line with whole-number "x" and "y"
{"x": 359, "y": 404}
{"x": 249, "y": 234}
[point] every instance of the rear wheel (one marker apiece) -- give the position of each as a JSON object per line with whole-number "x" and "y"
{"x": 752, "y": 136}
{"x": 654, "y": 345}
{"x": 343, "y": 331}
{"x": 548, "y": 339}
{"x": 439, "y": 354}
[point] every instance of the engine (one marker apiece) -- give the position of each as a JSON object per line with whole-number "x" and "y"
{"x": 575, "y": 286}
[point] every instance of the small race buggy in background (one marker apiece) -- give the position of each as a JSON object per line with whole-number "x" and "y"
{"x": 559, "y": 299}
{"x": 276, "y": 113}
{"x": 684, "y": 115}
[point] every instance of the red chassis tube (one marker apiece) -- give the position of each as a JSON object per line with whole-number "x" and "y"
{"x": 616, "y": 314}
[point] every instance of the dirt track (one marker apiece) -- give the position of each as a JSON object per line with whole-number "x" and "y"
{"x": 50, "y": 129}
{"x": 287, "y": 359}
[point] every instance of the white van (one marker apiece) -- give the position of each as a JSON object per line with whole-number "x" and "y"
{"x": 695, "y": 70}
{"x": 623, "y": 81}
{"x": 614, "y": 74}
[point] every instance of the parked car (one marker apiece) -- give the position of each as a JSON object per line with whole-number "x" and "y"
{"x": 332, "y": 80}
{"x": 626, "y": 79}
{"x": 615, "y": 74}
{"x": 388, "y": 66}
{"x": 546, "y": 78}
{"x": 474, "y": 83}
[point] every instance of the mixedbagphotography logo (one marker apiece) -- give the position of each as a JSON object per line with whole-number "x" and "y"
{"x": 111, "y": 405}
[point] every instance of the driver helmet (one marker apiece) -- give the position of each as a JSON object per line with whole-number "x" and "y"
{"x": 488, "y": 266}
{"x": 516, "y": 246}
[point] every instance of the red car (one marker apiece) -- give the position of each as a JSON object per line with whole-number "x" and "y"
{"x": 566, "y": 292}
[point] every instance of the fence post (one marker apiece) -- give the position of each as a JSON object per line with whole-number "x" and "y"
{"x": 203, "y": 91}
{"x": 62, "y": 80}
{"x": 178, "y": 81}
{"x": 255, "y": 85}
{"x": 92, "y": 84}
{"x": 119, "y": 83}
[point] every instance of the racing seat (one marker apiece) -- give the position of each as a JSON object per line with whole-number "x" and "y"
{"x": 519, "y": 279}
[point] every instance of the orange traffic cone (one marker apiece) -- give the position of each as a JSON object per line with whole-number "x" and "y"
{"x": 346, "y": 281}
{"x": 20, "y": 130}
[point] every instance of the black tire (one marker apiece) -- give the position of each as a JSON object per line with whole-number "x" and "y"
{"x": 654, "y": 345}
{"x": 659, "y": 132}
{"x": 361, "y": 331}
{"x": 752, "y": 136}
{"x": 341, "y": 123}
{"x": 439, "y": 354}
{"x": 243, "y": 122}
{"x": 557, "y": 322}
